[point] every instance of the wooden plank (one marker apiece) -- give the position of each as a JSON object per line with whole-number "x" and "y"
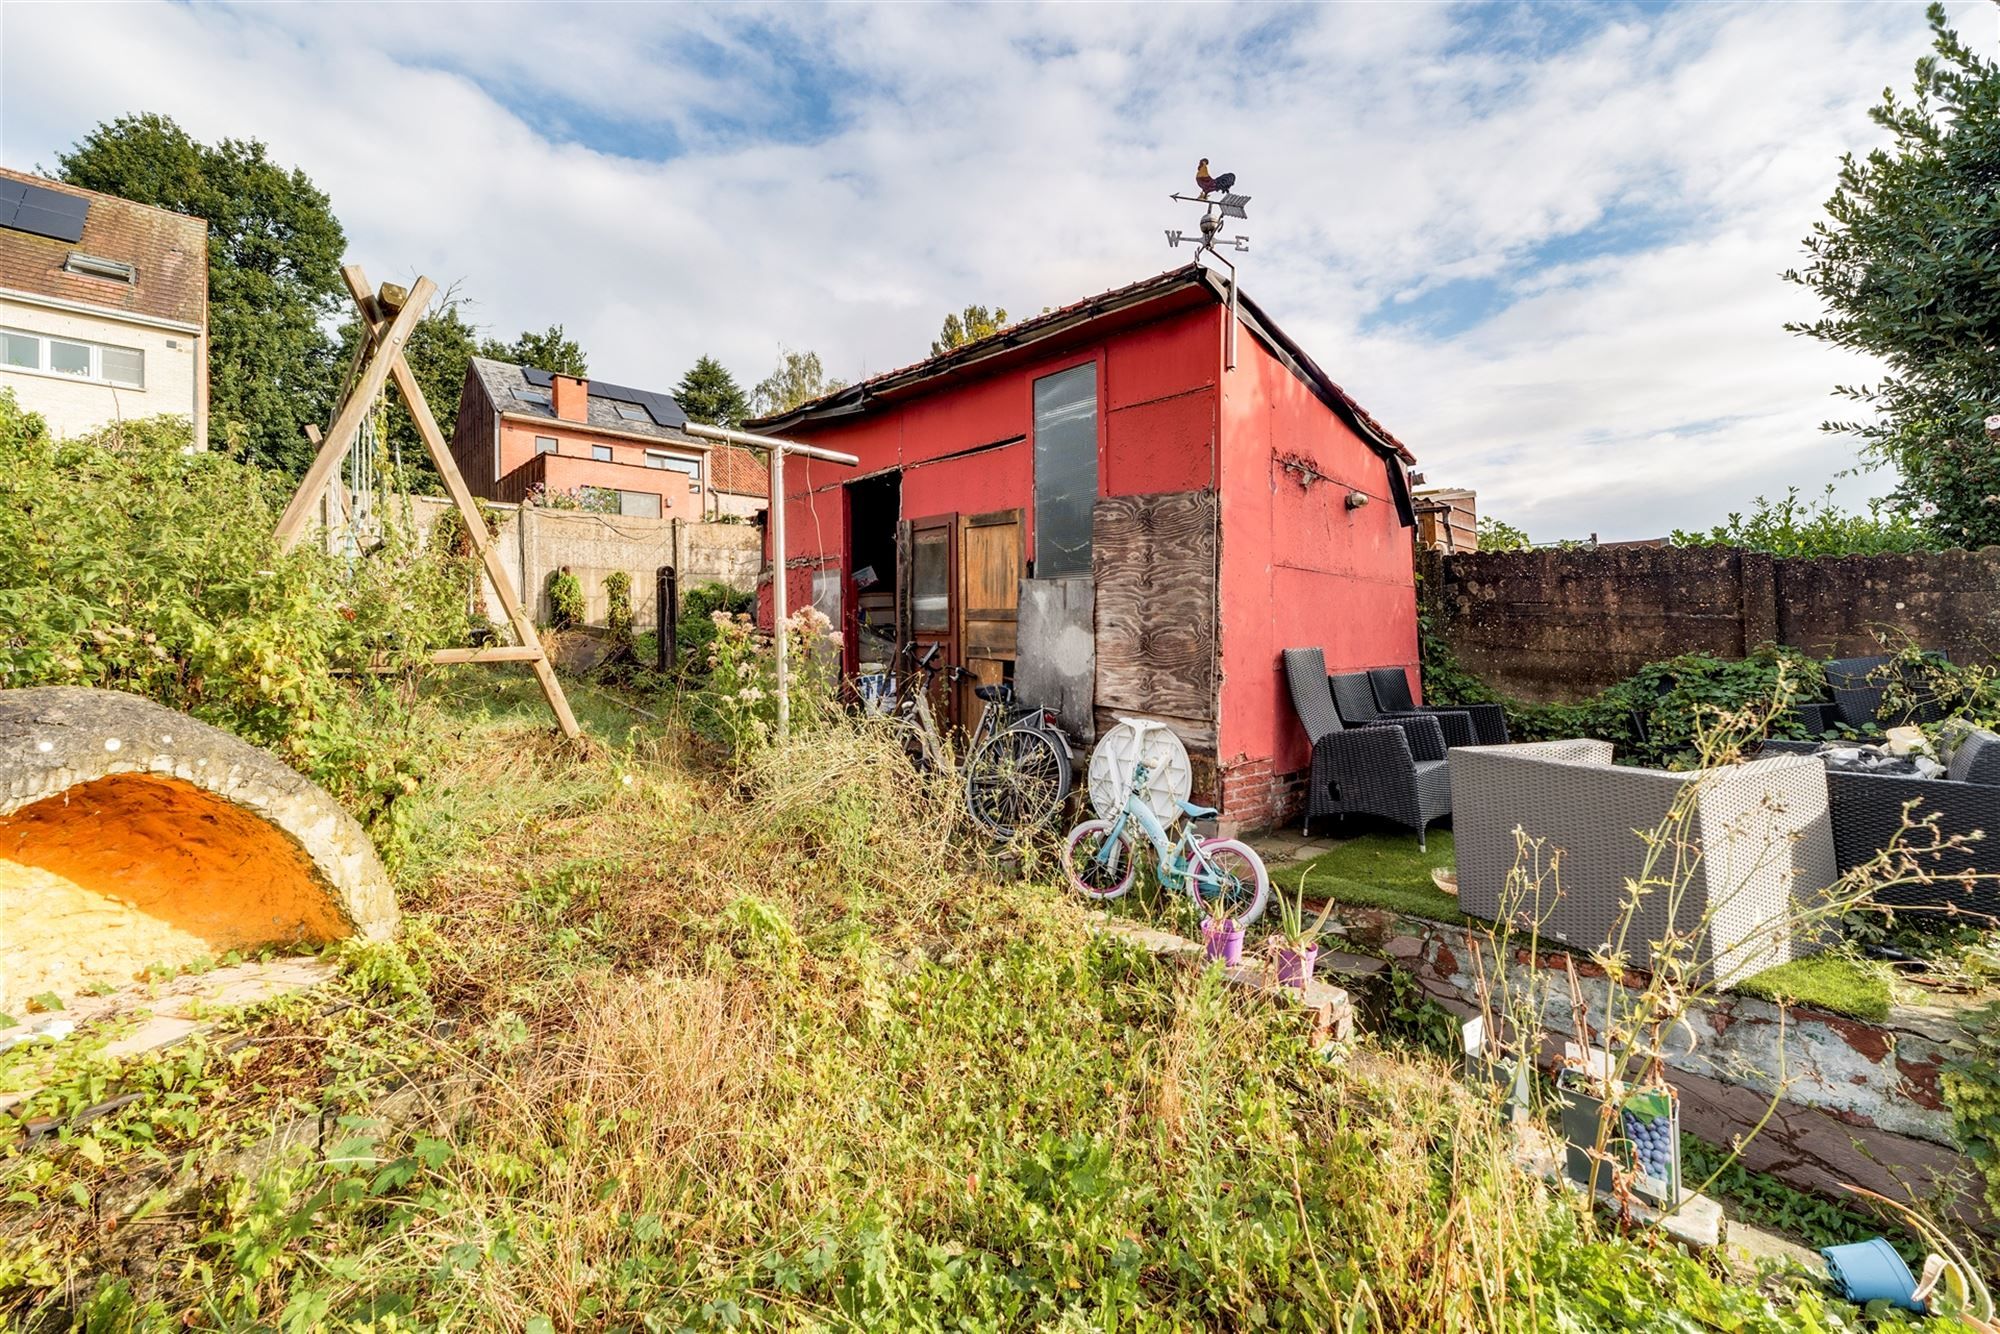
{"x": 388, "y": 351}
{"x": 461, "y": 496}
{"x": 1154, "y": 564}
{"x": 492, "y": 653}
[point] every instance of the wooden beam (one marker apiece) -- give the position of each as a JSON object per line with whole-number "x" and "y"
{"x": 468, "y": 508}
{"x": 388, "y": 352}
{"x": 494, "y": 653}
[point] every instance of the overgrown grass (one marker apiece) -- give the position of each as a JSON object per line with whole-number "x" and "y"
{"x": 663, "y": 1050}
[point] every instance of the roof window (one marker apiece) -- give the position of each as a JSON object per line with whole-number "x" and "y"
{"x": 92, "y": 266}
{"x": 632, "y": 412}
{"x": 535, "y": 396}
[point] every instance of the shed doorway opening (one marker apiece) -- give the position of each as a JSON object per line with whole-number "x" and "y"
{"x": 874, "y": 505}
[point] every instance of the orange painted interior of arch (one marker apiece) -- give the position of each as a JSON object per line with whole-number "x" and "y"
{"x": 135, "y": 865}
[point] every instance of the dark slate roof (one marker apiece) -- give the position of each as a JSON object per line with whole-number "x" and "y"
{"x": 168, "y": 251}
{"x": 505, "y": 382}
{"x": 859, "y": 399}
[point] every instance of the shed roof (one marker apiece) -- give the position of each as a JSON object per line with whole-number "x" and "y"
{"x": 739, "y": 472}
{"x": 866, "y": 396}
{"x": 168, "y": 252}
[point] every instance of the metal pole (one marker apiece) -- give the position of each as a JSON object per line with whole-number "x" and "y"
{"x": 666, "y": 616}
{"x": 751, "y": 440}
{"x": 779, "y": 611}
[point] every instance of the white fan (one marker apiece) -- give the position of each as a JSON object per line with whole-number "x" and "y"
{"x": 1169, "y": 777}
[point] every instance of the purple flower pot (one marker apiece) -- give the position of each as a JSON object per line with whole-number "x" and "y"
{"x": 1224, "y": 940}
{"x": 1295, "y": 966}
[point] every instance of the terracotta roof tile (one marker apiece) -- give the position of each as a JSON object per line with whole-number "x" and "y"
{"x": 739, "y": 472}
{"x": 169, "y": 250}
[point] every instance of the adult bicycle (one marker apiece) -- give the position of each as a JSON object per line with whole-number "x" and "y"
{"x": 1018, "y": 766}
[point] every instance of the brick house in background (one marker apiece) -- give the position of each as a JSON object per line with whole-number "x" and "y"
{"x": 522, "y": 432}
{"x": 1093, "y": 504}
{"x": 103, "y": 306}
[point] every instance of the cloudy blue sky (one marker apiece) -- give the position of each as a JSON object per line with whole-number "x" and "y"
{"x": 1541, "y": 243}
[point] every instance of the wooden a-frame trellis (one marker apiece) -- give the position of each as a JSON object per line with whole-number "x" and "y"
{"x": 387, "y": 324}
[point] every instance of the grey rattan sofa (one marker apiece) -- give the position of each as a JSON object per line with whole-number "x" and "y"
{"x": 1392, "y": 693}
{"x": 1761, "y": 830}
{"x": 1860, "y": 688}
{"x": 1354, "y": 696}
{"x": 1394, "y": 768}
{"x": 1867, "y": 812}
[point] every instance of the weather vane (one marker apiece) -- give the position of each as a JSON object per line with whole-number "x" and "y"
{"x": 1214, "y": 210}
{"x": 1227, "y": 204}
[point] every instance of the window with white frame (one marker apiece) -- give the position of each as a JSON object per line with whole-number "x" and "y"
{"x": 691, "y": 468}
{"x": 49, "y": 355}
{"x": 602, "y": 453}
{"x": 546, "y": 444}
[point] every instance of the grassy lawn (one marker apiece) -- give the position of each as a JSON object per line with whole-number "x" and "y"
{"x": 1386, "y": 870}
{"x": 674, "y": 1042}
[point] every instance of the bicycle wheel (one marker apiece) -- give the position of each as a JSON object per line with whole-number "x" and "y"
{"x": 1097, "y": 866}
{"x": 1226, "y": 878}
{"x": 1015, "y": 780}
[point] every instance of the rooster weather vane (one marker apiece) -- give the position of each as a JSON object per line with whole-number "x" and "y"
{"x": 1219, "y": 200}
{"x": 1228, "y": 205}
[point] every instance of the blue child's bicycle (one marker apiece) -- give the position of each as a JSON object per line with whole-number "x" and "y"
{"x": 1225, "y": 878}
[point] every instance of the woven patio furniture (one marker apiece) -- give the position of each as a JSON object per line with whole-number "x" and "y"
{"x": 1860, "y": 688}
{"x": 1354, "y": 696}
{"x": 1761, "y": 830}
{"x": 1392, "y": 693}
{"x": 1867, "y": 813}
{"x": 1394, "y": 769}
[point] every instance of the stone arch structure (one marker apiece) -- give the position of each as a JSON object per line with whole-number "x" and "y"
{"x": 133, "y": 836}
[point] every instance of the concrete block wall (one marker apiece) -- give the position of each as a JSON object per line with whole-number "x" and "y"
{"x": 535, "y": 542}
{"x": 1559, "y": 625}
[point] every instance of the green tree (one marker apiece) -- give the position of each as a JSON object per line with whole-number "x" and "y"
{"x": 1908, "y": 265}
{"x": 709, "y": 393}
{"x": 799, "y": 378}
{"x": 440, "y": 347}
{"x": 550, "y": 350}
{"x": 975, "y": 323}
{"x": 274, "y": 250}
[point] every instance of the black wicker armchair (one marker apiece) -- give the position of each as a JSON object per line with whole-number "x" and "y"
{"x": 1392, "y": 693}
{"x": 1394, "y": 769}
{"x": 1354, "y": 697}
{"x": 1860, "y": 688}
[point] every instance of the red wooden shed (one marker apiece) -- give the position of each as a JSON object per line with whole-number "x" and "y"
{"x": 1091, "y": 504}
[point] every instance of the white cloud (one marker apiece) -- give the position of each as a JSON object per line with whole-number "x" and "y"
{"x": 671, "y": 181}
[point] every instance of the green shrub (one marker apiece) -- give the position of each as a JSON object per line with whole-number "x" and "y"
{"x": 1792, "y": 527}
{"x": 565, "y": 599}
{"x": 129, "y": 563}
{"x": 618, "y": 605}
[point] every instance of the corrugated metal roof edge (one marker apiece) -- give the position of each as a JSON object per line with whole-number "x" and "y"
{"x": 856, "y": 399}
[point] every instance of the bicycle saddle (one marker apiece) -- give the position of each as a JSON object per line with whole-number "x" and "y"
{"x": 991, "y": 692}
{"x": 1194, "y": 812}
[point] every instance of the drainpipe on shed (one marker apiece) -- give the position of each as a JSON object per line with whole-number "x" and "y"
{"x": 776, "y": 449}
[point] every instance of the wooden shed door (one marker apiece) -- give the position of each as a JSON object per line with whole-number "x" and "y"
{"x": 991, "y": 561}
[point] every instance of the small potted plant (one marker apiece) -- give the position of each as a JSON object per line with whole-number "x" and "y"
{"x": 1223, "y": 939}
{"x": 1295, "y": 945}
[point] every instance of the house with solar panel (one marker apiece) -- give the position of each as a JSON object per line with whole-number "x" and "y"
{"x": 526, "y": 434}
{"x": 103, "y": 306}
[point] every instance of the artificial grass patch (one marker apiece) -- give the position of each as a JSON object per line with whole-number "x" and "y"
{"x": 1825, "y": 982}
{"x": 1384, "y": 870}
